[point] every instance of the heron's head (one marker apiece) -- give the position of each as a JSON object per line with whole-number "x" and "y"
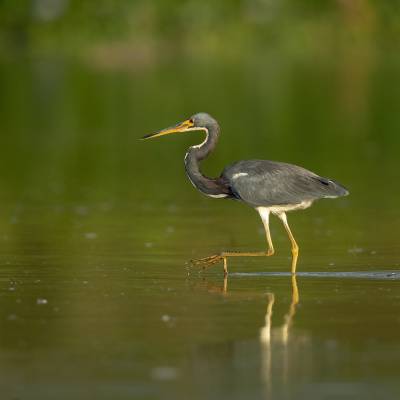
{"x": 197, "y": 122}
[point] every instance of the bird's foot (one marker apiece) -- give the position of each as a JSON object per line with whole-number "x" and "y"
{"x": 207, "y": 262}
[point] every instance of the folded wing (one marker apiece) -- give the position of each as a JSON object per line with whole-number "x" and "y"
{"x": 269, "y": 183}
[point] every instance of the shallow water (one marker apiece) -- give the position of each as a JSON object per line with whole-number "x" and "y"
{"x": 93, "y": 308}
{"x": 97, "y": 298}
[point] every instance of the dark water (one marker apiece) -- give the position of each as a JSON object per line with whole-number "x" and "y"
{"x": 96, "y": 228}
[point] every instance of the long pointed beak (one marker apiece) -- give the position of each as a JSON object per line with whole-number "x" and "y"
{"x": 179, "y": 128}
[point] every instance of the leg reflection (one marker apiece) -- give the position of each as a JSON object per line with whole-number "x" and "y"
{"x": 265, "y": 340}
{"x": 292, "y": 311}
{"x": 265, "y": 332}
{"x": 281, "y": 334}
{"x": 213, "y": 287}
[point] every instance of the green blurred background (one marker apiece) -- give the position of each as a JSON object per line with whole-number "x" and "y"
{"x": 100, "y": 225}
{"x": 312, "y": 83}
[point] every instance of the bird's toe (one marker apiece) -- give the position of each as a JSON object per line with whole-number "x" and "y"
{"x": 206, "y": 261}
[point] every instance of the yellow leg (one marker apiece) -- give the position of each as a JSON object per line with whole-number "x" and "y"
{"x": 225, "y": 287}
{"x": 211, "y": 260}
{"x": 295, "y": 247}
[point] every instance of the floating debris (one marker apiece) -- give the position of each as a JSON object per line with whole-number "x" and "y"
{"x": 165, "y": 318}
{"x": 355, "y": 250}
{"x": 170, "y": 229}
{"x": 164, "y": 373}
{"x": 41, "y": 301}
{"x": 91, "y": 235}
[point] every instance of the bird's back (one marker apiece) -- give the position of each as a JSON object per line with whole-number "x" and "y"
{"x": 264, "y": 183}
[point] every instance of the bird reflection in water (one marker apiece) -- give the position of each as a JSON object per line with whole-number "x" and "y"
{"x": 279, "y": 350}
{"x": 279, "y": 335}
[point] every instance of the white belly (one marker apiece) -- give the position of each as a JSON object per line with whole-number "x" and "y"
{"x": 289, "y": 207}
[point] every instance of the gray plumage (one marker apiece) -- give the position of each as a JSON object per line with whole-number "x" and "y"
{"x": 258, "y": 183}
{"x": 263, "y": 183}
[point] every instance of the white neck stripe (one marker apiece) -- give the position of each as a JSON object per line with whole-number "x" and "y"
{"x": 197, "y": 146}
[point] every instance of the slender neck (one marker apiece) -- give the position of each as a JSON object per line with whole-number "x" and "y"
{"x": 206, "y": 185}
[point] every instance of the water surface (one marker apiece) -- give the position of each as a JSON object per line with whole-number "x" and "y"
{"x": 97, "y": 299}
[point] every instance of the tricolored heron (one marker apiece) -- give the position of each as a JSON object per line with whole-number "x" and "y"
{"x": 268, "y": 186}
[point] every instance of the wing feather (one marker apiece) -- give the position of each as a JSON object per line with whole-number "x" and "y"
{"x": 269, "y": 183}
